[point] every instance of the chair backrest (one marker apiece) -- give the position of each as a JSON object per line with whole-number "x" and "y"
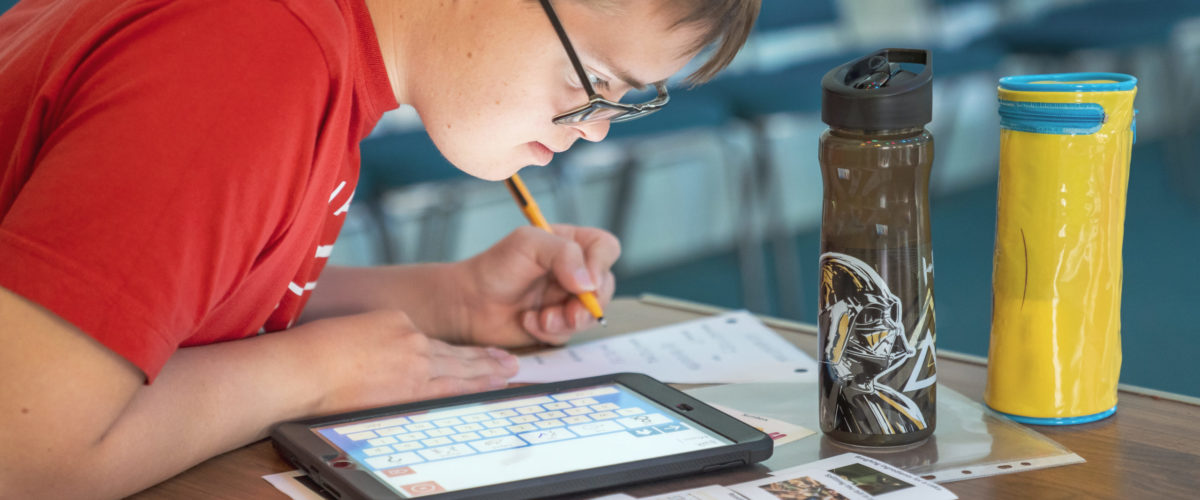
{"x": 393, "y": 161}
{"x": 785, "y": 14}
{"x": 789, "y": 31}
{"x": 882, "y": 23}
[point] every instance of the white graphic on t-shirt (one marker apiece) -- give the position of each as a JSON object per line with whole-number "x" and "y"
{"x": 345, "y": 206}
{"x": 299, "y": 290}
{"x": 336, "y": 191}
{"x": 290, "y": 306}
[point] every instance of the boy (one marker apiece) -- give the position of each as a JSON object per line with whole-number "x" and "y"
{"x": 175, "y": 173}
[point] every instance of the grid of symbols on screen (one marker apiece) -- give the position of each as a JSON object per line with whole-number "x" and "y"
{"x": 460, "y": 431}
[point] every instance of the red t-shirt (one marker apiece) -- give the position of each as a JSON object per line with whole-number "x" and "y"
{"x": 174, "y": 172}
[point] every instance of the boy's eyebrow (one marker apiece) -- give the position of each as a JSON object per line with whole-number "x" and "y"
{"x": 621, "y": 73}
{"x": 629, "y": 80}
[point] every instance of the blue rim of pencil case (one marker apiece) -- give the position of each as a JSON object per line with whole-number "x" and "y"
{"x": 1069, "y": 82}
{"x": 1059, "y": 421}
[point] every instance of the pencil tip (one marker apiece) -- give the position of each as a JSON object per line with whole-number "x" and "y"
{"x": 602, "y": 322}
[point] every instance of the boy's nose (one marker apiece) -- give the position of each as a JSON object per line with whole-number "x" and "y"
{"x": 593, "y": 131}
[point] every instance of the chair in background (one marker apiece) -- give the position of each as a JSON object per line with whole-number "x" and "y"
{"x": 764, "y": 99}
{"x": 962, "y": 22}
{"x": 758, "y": 99}
{"x": 691, "y": 112}
{"x": 787, "y": 33}
{"x": 965, "y": 124}
{"x": 404, "y": 169}
{"x": 784, "y": 34}
{"x": 784, "y": 81}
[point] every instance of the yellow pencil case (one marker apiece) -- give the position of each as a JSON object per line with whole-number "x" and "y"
{"x": 1065, "y": 145}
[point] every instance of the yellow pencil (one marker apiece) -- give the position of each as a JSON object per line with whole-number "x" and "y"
{"x": 531, "y": 211}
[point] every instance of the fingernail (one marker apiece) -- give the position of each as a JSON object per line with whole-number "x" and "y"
{"x": 581, "y": 318}
{"x": 508, "y": 361}
{"x": 497, "y": 382}
{"x": 554, "y": 322}
{"x": 584, "y": 279}
{"x": 530, "y": 321}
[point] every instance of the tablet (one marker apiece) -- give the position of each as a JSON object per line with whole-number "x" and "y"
{"x": 525, "y": 442}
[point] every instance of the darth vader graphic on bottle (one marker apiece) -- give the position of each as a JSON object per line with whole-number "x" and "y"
{"x": 869, "y": 361}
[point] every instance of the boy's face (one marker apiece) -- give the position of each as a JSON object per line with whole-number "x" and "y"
{"x": 488, "y": 101}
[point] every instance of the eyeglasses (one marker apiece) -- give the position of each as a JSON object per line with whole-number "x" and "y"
{"x": 598, "y": 108}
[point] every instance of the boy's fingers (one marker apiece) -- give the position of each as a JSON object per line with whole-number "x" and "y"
{"x": 576, "y": 315}
{"x": 561, "y": 256}
{"x": 552, "y": 320}
{"x": 601, "y": 248}
{"x": 473, "y": 362}
{"x": 547, "y": 325}
{"x": 451, "y": 386}
{"x": 529, "y": 321}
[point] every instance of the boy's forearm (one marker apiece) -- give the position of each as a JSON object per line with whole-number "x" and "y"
{"x": 207, "y": 400}
{"x": 428, "y": 293}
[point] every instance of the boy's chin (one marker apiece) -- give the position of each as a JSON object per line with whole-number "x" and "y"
{"x": 490, "y": 171}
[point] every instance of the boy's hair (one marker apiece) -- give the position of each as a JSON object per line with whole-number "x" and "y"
{"x": 728, "y": 24}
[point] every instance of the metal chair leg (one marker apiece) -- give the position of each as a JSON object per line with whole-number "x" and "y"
{"x": 785, "y": 254}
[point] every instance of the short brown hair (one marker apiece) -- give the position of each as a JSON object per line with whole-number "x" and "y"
{"x": 728, "y": 26}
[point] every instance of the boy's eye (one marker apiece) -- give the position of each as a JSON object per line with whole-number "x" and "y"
{"x": 598, "y": 82}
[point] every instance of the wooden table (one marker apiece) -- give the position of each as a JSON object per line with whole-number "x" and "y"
{"x": 1149, "y": 450}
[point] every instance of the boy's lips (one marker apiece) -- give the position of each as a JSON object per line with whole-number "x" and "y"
{"x": 542, "y": 154}
{"x": 554, "y": 149}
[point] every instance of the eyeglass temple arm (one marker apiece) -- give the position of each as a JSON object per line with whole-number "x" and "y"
{"x": 562, "y": 35}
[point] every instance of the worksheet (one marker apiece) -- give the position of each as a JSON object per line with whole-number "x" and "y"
{"x": 781, "y": 432}
{"x": 844, "y": 477}
{"x": 729, "y": 348}
{"x": 848, "y": 476}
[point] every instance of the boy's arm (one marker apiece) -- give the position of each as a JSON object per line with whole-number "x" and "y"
{"x": 426, "y": 292}
{"x": 76, "y": 420}
{"x": 518, "y": 292}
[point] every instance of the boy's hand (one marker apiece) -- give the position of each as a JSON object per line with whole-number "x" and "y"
{"x": 521, "y": 291}
{"x": 386, "y": 360}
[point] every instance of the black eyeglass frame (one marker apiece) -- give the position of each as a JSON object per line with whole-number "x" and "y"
{"x": 598, "y": 108}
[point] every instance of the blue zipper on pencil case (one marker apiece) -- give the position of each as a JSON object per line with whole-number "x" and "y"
{"x": 1065, "y": 118}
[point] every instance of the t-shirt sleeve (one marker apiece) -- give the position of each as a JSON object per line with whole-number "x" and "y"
{"x": 181, "y": 142}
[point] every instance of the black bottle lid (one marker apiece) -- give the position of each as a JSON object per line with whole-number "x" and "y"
{"x": 876, "y": 92}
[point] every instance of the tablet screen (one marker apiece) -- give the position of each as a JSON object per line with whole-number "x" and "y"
{"x": 478, "y": 444}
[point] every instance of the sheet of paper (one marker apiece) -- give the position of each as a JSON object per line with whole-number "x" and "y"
{"x": 844, "y": 477}
{"x": 729, "y": 348}
{"x": 781, "y": 432}
{"x": 296, "y": 485}
{"x": 850, "y": 475}
{"x": 714, "y": 492}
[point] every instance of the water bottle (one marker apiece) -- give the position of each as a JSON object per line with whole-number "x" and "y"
{"x": 876, "y": 322}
